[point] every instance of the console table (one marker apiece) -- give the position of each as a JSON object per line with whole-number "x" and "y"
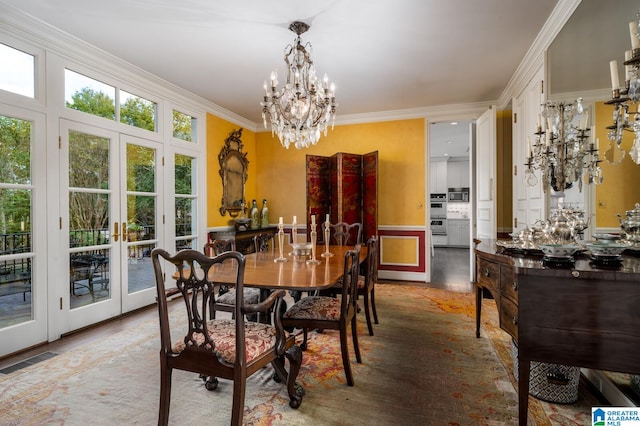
{"x": 581, "y": 314}
{"x": 244, "y": 239}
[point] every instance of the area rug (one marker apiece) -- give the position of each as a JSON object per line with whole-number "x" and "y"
{"x": 424, "y": 366}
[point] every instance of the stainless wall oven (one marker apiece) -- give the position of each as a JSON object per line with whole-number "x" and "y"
{"x": 438, "y": 210}
{"x": 439, "y": 226}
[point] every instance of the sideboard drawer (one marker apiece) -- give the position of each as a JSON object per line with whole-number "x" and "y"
{"x": 509, "y": 317}
{"x": 488, "y": 274}
{"x": 508, "y": 283}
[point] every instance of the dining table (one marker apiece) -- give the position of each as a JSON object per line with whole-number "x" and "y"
{"x": 263, "y": 271}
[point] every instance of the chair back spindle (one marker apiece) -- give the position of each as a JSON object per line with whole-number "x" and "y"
{"x": 345, "y": 234}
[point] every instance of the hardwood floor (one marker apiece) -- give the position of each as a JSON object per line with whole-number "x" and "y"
{"x": 450, "y": 271}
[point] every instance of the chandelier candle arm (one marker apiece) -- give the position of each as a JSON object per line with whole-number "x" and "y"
{"x": 562, "y": 151}
{"x": 625, "y": 99}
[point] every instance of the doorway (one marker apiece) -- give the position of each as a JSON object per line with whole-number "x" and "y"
{"x": 450, "y": 206}
{"x": 110, "y": 204}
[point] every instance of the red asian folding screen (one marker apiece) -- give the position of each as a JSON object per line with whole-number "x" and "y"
{"x": 344, "y": 186}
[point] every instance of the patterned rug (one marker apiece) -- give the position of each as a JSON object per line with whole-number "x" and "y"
{"x": 423, "y": 366}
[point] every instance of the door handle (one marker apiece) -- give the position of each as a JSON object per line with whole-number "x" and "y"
{"x": 124, "y": 231}
{"x": 116, "y": 229}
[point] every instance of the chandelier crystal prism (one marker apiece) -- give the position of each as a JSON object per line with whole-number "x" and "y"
{"x": 300, "y": 111}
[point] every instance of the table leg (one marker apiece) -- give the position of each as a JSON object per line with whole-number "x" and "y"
{"x": 478, "y": 308}
{"x": 523, "y": 390}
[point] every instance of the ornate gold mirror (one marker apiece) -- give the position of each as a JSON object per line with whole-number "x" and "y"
{"x": 233, "y": 171}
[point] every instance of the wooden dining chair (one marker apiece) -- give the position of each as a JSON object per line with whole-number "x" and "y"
{"x": 231, "y": 349}
{"x": 226, "y": 300}
{"x": 367, "y": 281}
{"x": 263, "y": 242}
{"x": 345, "y": 234}
{"x": 214, "y": 248}
{"x": 331, "y": 313}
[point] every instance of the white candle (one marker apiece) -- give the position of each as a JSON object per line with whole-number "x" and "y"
{"x": 538, "y": 122}
{"x": 633, "y": 31}
{"x": 313, "y": 219}
{"x": 327, "y": 220}
{"x": 280, "y": 221}
{"x": 627, "y": 68}
{"x": 615, "y": 82}
{"x": 586, "y": 120}
{"x": 295, "y": 220}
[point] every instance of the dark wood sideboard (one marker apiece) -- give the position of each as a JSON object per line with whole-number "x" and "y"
{"x": 581, "y": 314}
{"x": 244, "y": 239}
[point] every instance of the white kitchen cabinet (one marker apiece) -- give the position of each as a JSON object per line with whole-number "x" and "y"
{"x": 458, "y": 232}
{"x": 458, "y": 174}
{"x": 438, "y": 174}
{"x": 440, "y": 240}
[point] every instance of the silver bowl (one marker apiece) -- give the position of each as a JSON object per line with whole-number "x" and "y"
{"x": 605, "y": 249}
{"x": 559, "y": 251}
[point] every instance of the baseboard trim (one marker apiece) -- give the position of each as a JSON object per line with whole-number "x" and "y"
{"x": 607, "y": 388}
{"x": 402, "y": 276}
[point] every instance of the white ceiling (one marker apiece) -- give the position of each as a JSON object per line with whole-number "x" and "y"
{"x": 450, "y": 139}
{"x": 383, "y": 55}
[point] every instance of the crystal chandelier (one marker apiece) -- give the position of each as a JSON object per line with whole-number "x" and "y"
{"x": 562, "y": 150}
{"x": 301, "y": 110}
{"x": 625, "y": 100}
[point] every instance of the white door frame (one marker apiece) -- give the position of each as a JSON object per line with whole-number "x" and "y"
{"x": 34, "y": 331}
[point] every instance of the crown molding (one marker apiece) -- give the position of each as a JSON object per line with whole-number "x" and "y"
{"x": 534, "y": 58}
{"x": 24, "y": 27}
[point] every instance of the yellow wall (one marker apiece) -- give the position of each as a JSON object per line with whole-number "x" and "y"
{"x": 620, "y": 189}
{"x": 281, "y": 173}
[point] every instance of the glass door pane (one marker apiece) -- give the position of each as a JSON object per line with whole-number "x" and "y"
{"x": 90, "y": 212}
{"x": 15, "y": 221}
{"x": 89, "y": 195}
{"x": 23, "y": 312}
{"x": 139, "y": 167}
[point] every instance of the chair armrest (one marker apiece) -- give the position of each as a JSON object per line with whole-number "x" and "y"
{"x": 266, "y": 304}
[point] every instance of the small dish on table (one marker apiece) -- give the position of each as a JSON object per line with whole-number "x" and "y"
{"x": 559, "y": 253}
{"x": 605, "y": 251}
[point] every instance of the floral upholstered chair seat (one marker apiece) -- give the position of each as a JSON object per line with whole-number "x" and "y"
{"x": 315, "y": 307}
{"x": 259, "y": 338}
{"x": 251, "y": 296}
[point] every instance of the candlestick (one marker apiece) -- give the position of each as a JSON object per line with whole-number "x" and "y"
{"x": 294, "y": 230}
{"x": 327, "y": 234}
{"x": 280, "y": 243}
{"x": 314, "y": 236}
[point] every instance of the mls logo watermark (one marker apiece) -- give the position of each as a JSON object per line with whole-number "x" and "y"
{"x": 615, "y": 416}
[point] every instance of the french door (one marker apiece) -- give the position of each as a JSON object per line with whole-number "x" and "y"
{"x": 109, "y": 209}
{"x": 23, "y": 237}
